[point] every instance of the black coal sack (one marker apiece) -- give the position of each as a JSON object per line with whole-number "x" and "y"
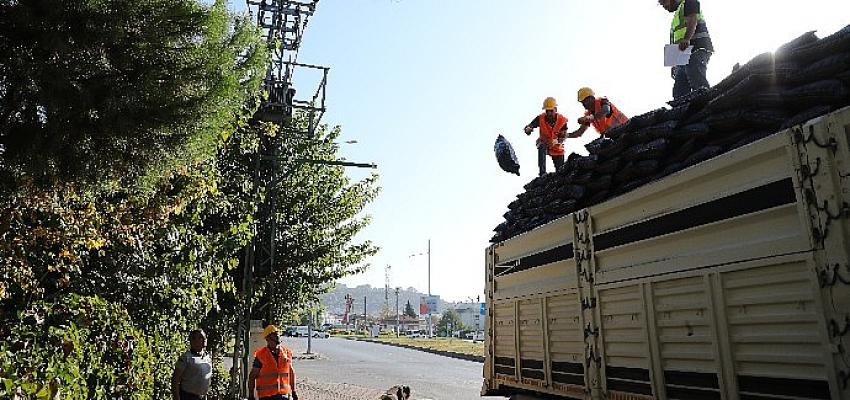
{"x": 505, "y": 155}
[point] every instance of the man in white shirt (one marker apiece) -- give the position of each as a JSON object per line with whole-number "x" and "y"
{"x": 192, "y": 374}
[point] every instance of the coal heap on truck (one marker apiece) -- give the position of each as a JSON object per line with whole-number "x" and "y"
{"x": 805, "y": 78}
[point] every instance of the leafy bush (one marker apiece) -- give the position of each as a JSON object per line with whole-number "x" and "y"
{"x": 77, "y": 347}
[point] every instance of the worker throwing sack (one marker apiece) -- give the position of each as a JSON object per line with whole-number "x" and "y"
{"x": 599, "y": 112}
{"x": 553, "y": 131}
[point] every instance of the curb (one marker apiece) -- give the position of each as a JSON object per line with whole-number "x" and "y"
{"x": 450, "y": 354}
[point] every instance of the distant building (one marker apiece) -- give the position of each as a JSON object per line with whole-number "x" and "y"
{"x": 470, "y": 314}
{"x": 332, "y": 319}
{"x": 405, "y": 322}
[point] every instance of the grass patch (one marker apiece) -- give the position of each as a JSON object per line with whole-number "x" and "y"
{"x": 443, "y": 344}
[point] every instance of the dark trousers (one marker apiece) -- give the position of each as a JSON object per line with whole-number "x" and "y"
{"x": 691, "y": 76}
{"x": 542, "y": 151}
{"x": 276, "y": 397}
{"x": 190, "y": 396}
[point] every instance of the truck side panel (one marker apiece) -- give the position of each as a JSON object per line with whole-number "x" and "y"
{"x": 741, "y": 205}
{"x": 716, "y": 333}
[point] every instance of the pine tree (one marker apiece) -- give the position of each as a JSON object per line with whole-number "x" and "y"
{"x": 408, "y": 310}
{"x": 106, "y": 91}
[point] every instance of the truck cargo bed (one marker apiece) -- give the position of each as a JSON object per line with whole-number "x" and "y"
{"x": 725, "y": 280}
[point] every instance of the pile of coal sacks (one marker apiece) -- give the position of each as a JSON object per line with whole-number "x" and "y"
{"x": 805, "y": 78}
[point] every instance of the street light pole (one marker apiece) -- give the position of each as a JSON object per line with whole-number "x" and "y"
{"x": 430, "y": 332}
{"x": 429, "y": 267}
{"x": 428, "y": 309}
{"x": 310, "y": 333}
{"x": 397, "y": 317}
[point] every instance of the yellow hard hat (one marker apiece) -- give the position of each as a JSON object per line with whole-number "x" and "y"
{"x": 584, "y": 92}
{"x": 550, "y": 103}
{"x": 269, "y": 330}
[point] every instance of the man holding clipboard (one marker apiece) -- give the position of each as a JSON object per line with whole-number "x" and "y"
{"x": 688, "y": 33}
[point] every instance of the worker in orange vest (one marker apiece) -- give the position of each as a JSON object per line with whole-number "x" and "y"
{"x": 272, "y": 370}
{"x": 599, "y": 112}
{"x": 553, "y": 131}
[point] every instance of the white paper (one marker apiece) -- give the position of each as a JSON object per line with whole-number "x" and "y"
{"x": 673, "y": 56}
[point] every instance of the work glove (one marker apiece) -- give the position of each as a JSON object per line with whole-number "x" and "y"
{"x": 585, "y": 120}
{"x": 561, "y": 137}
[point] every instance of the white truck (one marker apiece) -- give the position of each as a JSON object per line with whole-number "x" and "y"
{"x": 725, "y": 280}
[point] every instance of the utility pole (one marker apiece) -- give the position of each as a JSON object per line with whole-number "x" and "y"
{"x": 387, "y": 289}
{"x": 397, "y": 317}
{"x": 364, "y": 313}
{"x": 283, "y": 24}
{"x": 430, "y": 332}
{"x": 310, "y": 333}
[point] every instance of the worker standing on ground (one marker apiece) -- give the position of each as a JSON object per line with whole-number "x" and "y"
{"x": 599, "y": 112}
{"x": 193, "y": 372}
{"x": 689, "y": 29}
{"x": 553, "y": 131}
{"x": 272, "y": 370}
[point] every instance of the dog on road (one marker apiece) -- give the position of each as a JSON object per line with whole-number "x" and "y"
{"x": 398, "y": 392}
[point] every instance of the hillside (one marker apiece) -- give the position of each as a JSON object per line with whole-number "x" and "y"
{"x": 334, "y": 301}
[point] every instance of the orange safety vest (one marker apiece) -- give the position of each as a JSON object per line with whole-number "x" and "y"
{"x": 612, "y": 120}
{"x": 549, "y": 134}
{"x": 274, "y": 377}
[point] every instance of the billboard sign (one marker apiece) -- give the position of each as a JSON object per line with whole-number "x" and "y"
{"x": 429, "y": 305}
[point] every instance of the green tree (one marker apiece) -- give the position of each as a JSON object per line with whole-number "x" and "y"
{"x": 318, "y": 210}
{"x": 103, "y": 91}
{"x": 408, "y": 310}
{"x": 96, "y": 93}
{"x": 450, "y": 322}
{"x": 115, "y": 94}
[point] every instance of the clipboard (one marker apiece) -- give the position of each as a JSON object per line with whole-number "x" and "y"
{"x": 673, "y": 56}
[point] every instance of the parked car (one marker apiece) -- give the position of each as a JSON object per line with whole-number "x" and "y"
{"x": 301, "y": 330}
{"x": 321, "y": 334}
{"x": 337, "y": 331}
{"x": 413, "y": 334}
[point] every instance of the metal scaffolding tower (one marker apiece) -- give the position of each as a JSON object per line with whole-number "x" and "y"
{"x": 283, "y": 23}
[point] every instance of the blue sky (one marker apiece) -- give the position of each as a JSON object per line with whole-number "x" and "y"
{"x": 425, "y": 86}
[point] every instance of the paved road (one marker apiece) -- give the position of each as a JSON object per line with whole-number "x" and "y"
{"x": 349, "y": 365}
